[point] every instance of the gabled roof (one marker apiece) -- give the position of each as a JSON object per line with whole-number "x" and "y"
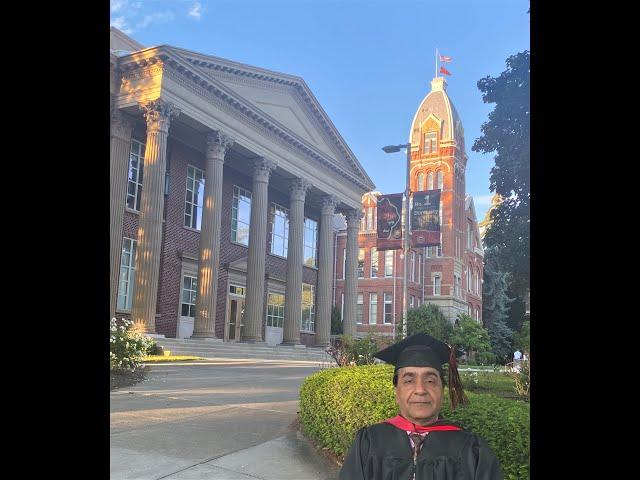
{"x": 285, "y": 100}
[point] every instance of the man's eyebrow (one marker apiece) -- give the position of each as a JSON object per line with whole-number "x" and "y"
{"x": 412, "y": 374}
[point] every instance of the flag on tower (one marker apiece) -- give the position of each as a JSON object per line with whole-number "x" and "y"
{"x": 444, "y": 71}
{"x": 445, "y": 58}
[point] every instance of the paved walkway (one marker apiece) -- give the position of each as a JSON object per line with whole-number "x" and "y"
{"x": 214, "y": 420}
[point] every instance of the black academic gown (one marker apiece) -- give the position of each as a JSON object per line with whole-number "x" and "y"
{"x": 383, "y": 452}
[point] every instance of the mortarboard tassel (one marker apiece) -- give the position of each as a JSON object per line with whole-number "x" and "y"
{"x": 456, "y": 392}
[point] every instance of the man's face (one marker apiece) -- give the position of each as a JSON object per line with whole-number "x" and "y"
{"x": 419, "y": 394}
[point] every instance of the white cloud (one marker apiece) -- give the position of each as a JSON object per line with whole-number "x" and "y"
{"x": 116, "y": 5}
{"x": 158, "y": 17}
{"x": 195, "y": 11}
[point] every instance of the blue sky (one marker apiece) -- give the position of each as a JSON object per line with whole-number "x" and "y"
{"x": 368, "y": 62}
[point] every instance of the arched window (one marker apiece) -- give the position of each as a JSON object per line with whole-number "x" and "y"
{"x": 420, "y": 181}
{"x": 478, "y": 282}
{"x": 468, "y": 278}
{"x": 430, "y": 181}
{"x": 440, "y": 180}
{"x": 478, "y": 314}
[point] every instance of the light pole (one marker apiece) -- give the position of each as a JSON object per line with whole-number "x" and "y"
{"x": 405, "y": 236}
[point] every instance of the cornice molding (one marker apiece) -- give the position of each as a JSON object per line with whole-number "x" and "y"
{"x": 151, "y": 61}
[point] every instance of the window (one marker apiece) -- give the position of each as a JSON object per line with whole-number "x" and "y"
{"x": 478, "y": 281}
{"x": 388, "y": 263}
{"x": 279, "y": 230}
{"x": 440, "y": 180}
{"x": 430, "y": 142}
{"x": 370, "y": 225}
{"x": 478, "y": 314}
{"x": 412, "y": 301}
{"x": 240, "y": 215}
{"x": 236, "y": 290}
{"x": 310, "y": 242}
{"x": 373, "y": 308}
{"x": 413, "y": 267}
{"x": 342, "y": 308}
{"x": 420, "y": 181}
{"x": 436, "y": 285}
{"x": 189, "y": 292}
{"x": 344, "y": 263}
{"x": 308, "y": 319}
{"x": 419, "y": 268}
{"x": 275, "y": 310}
{"x": 469, "y": 234}
{"x": 127, "y": 273}
{"x": 430, "y": 181}
{"x": 136, "y": 169}
{"x": 456, "y": 286}
{"x": 361, "y": 263}
{"x": 388, "y": 308}
{"x": 468, "y": 278}
{"x": 374, "y": 262}
{"x": 194, "y": 198}
{"x": 359, "y": 306}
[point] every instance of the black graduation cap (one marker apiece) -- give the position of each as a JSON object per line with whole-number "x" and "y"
{"x": 423, "y": 350}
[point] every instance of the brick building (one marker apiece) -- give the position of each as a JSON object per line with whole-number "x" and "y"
{"x": 448, "y": 275}
{"x": 225, "y": 179}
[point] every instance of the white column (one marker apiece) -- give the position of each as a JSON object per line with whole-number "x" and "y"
{"x": 205, "y": 322}
{"x": 295, "y": 254}
{"x": 325, "y": 271}
{"x": 119, "y": 166}
{"x": 158, "y": 114}
{"x": 351, "y": 275}
{"x": 254, "y": 301}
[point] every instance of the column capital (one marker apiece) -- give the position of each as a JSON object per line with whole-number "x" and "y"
{"x": 218, "y": 143}
{"x": 329, "y": 203}
{"x": 121, "y": 125}
{"x": 298, "y": 189}
{"x": 353, "y": 218}
{"x": 262, "y": 169}
{"x": 158, "y": 114}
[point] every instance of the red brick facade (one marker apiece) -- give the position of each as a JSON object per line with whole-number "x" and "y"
{"x": 180, "y": 244}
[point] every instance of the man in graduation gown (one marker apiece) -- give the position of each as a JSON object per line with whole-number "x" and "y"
{"x": 418, "y": 444}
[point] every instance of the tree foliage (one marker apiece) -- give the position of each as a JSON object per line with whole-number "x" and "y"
{"x": 428, "y": 318}
{"x": 501, "y": 339}
{"x": 469, "y": 335}
{"x": 506, "y": 132}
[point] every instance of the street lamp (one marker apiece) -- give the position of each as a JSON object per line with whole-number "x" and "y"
{"x": 405, "y": 237}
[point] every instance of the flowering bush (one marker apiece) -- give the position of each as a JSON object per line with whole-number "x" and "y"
{"x": 127, "y": 346}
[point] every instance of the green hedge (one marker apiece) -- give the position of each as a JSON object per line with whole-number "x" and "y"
{"x": 335, "y": 403}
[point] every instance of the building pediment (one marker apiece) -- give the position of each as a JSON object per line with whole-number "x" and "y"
{"x": 285, "y": 101}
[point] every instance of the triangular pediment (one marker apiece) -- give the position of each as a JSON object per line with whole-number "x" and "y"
{"x": 286, "y": 101}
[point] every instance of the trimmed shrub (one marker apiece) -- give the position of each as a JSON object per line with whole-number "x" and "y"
{"x": 335, "y": 403}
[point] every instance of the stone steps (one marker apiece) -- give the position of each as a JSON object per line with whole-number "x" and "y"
{"x": 220, "y": 349}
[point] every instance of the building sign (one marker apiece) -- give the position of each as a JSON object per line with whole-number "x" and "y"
{"x": 389, "y": 222}
{"x": 425, "y": 218}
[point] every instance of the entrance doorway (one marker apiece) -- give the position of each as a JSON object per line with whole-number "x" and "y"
{"x": 235, "y": 316}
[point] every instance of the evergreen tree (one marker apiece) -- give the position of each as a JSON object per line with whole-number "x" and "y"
{"x": 495, "y": 285}
{"x": 501, "y": 339}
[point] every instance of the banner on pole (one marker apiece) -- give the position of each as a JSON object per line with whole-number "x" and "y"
{"x": 425, "y": 218}
{"x": 389, "y": 222}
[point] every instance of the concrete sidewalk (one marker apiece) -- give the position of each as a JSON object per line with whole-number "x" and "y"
{"x": 214, "y": 420}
